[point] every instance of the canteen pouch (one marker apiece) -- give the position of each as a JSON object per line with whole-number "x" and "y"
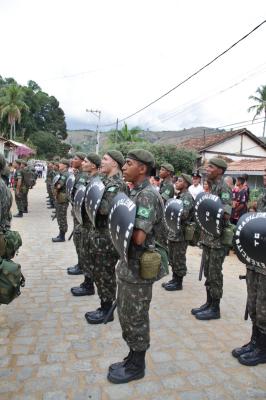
{"x": 10, "y": 242}
{"x": 196, "y": 236}
{"x": 150, "y": 262}
{"x": 190, "y": 230}
{"x": 228, "y": 234}
{"x": 11, "y": 280}
{"x": 61, "y": 198}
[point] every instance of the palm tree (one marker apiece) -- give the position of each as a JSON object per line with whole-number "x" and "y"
{"x": 260, "y": 106}
{"x": 126, "y": 135}
{"x": 11, "y": 105}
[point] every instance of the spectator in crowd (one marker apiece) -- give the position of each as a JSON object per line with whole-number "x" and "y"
{"x": 245, "y": 176}
{"x": 240, "y": 200}
{"x": 206, "y": 186}
{"x": 155, "y": 181}
{"x": 196, "y": 186}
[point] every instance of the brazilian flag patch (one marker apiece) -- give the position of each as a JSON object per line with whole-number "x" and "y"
{"x": 225, "y": 196}
{"x": 143, "y": 212}
{"x": 111, "y": 189}
{"x": 167, "y": 191}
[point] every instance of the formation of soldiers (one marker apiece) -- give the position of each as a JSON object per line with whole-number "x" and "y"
{"x": 127, "y": 282}
{"x": 24, "y": 180}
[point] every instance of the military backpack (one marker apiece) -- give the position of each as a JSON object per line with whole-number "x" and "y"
{"x": 11, "y": 280}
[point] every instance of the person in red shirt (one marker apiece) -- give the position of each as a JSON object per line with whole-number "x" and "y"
{"x": 240, "y": 200}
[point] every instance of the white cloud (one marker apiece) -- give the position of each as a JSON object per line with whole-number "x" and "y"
{"x": 117, "y": 56}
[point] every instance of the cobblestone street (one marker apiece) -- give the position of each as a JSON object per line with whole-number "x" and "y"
{"x": 48, "y": 351}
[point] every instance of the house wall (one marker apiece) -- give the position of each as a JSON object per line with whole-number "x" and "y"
{"x": 233, "y": 145}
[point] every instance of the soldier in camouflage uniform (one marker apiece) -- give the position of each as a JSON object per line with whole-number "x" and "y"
{"x": 214, "y": 251}
{"x": 134, "y": 293}
{"x": 177, "y": 245}
{"x": 103, "y": 256}
{"x": 80, "y": 179}
{"x": 49, "y": 181}
{"x": 254, "y": 352}
{"x": 61, "y": 200}
{"x": 90, "y": 167}
{"x": 18, "y": 188}
{"x": 24, "y": 188}
{"x": 5, "y": 201}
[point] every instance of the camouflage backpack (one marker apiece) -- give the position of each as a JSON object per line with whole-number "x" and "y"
{"x": 29, "y": 177}
{"x": 11, "y": 279}
{"x": 10, "y": 242}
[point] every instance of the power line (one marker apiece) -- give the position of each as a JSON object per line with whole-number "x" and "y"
{"x": 190, "y": 76}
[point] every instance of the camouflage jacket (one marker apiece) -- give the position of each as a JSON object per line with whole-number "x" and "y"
{"x": 224, "y": 192}
{"x": 113, "y": 185}
{"x": 261, "y": 203}
{"x": 167, "y": 189}
{"x": 5, "y": 206}
{"x": 18, "y": 176}
{"x": 149, "y": 216}
{"x": 62, "y": 182}
{"x": 187, "y": 216}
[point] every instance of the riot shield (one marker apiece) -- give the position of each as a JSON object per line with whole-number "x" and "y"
{"x": 78, "y": 202}
{"x": 209, "y": 213}
{"x": 56, "y": 179}
{"x": 173, "y": 210}
{"x": 121, "y": 223}
{"x": 250, "y": 239}
{"x": 93, "y": 197}
{"x": 70, "y": 186}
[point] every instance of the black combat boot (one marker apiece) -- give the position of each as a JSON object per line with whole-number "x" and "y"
{"x": 25, "y": 210}
{"x": 205, "y": 306}
{"x": 18, "y": 215}
{"x": 121, "y": 363}
{"x": 258, "y": 354}
{"x": 86, "y": 288}
{"x": 98, "y": 316}
{"x": 250, "y": 346}
{"x": 60, "y": 238}
{"x": 174, "y": 276}
{"x": 177, "y": 284}
{"x": 132, "y": 369}
{"x": 76, "y": 270}
{"x": 213, "y": 312}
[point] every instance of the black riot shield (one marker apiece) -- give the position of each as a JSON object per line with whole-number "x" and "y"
{"x": 209, "y": 213}
{"x": 173, "y": 210}
{"x": 56, "y": 179}
{"x": 93, "y": 197}
{"x": 121, "y": 223}
{"x": 250, "y": 239}
{"x": 78, "y": 201}
{"x": 70, "y": 186}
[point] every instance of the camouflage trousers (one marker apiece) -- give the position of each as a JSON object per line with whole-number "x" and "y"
{"x": 61, "y": 215}
{"x": 103, "y": 259}
{"x": 24, "y": 195}
{"x": 177, "y": 257}
{"x": 133, "y": 303}
{"x": 19, "y": 202}
{"x": 77, "y": 227}
{"x": 256, "y": 287}
{"x": 84, "y": 257}
{"x": 50, "y": 191}
{"x": 213, "y": 266}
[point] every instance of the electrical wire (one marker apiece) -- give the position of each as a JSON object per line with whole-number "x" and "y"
{"x": 189, "y": 77}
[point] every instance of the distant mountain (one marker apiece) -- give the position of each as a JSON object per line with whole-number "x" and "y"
{"x": 87, "y": 139}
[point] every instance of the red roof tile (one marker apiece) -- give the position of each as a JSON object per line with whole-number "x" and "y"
{"x": 248, "y": 165}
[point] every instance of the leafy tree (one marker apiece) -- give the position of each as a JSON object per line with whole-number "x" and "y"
{"x": 125, "y": 135}
{"x": 260, "y": 107}
{"x": 48, "y": 145}
{"x": 182, "y": 160}
{"x": 11, "y": 105}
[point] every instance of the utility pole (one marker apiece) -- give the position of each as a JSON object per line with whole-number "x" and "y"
{"x": 97, "y": 113}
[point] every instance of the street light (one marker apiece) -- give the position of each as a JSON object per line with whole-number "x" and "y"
{"x": 97, "y": 113}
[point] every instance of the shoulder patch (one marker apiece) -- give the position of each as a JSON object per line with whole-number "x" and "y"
{"x": 143, "y": 212}
{"x": 62, "y": 178}
{"x": 225, "y": 196}
{"x": 111, "y": 189}
{"x": 167, "y": 191}
{"x": 186, "y": 202}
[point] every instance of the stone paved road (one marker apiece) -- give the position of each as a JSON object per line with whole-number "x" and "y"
{"x": 49, "y": 352}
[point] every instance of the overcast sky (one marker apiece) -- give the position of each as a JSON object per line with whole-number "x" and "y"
{"x": 118, "y": 55}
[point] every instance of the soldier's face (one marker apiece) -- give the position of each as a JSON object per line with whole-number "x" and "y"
{"x": 86, "y": 165}
{"x": 163, "y": 173}
{"x": 213, "y": 171}
{"x": 107, "y": 164}
{"x": 180, "y": 184}
{"x": 62, "y": 167}
{"x": 76, "y": 162}
{"x": 131, "y": 170}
